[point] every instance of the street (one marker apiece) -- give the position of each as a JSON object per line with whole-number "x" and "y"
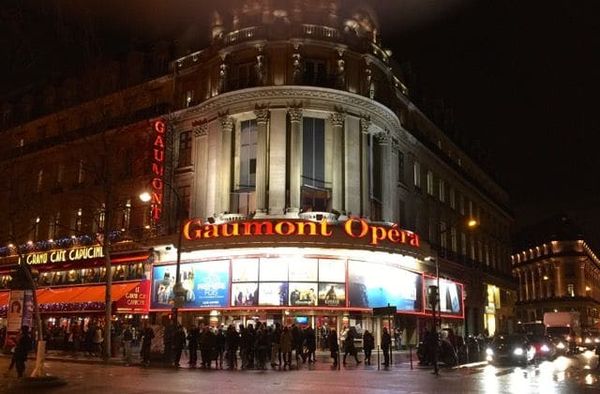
{"x": 563, "y": 375}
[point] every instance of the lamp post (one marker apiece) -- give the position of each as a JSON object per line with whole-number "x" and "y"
{"x": 437, "y": 320}
{"x": 178, "y": 289}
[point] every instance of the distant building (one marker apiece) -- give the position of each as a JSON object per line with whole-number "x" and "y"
{"x": 557, "y": 272}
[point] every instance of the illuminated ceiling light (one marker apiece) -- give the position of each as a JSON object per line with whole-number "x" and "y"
{"x": 472, "y": 223}
{"x": 145, "y": 197}
{"x": 37, "y": 220}
{"x": 546, "y": 277}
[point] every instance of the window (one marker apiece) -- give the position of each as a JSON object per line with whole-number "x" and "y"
{"x": 461, "y": 204}
{"x": 313, "y": 152}
{"x": 127, "y": 163}
{"x": 60, "y": 174}
{"x": 463, "y": 244}
{"x": 442, "y": 190}
{"x": 452, "y": 195}
{"x": 430, "y": 182}
{"x": 315, "y": 72}
{"x": 400, "y": 167}
{"x": 571, "y": 290}
{"x": 443, "y": 235}
{"x": 126, "y": 216}
{"x": 244, "y": 76}
{"x": 185, "y": 194}
{"x": 40, "y": 181}
{"x": 243, "y": 202}
{"x": 81, "y": 172}
{"x": 185, "y": 149}
{"x": 54, "y": 228}
{"x": 78, "y": 219}
{"x": 248, "y": 136}
{"x": 417, "y": 174}
{"x": 453, "y": 240}
{"x": 375, "y": 171}
{"x": 100, "y": 219}
{"x": 188, "y": 99}
{"x": 470, "y": 208}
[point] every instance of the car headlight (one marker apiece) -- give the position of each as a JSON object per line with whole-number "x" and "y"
{"x": 489, "y": 352}
{"x": 560, "y": 345}
{"x": 588, "y": 340}
{"x": 518, "y": 351}
{"x": 545, "y": 348}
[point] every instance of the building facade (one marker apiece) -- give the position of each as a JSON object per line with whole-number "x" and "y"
{"x": 295, "y": 115}
{"x": 559, "y": 275}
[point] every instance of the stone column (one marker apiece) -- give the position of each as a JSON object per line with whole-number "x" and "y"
{"x": 526, "y": 278}
{"x": 276, "y": 167}
{"x": 533, "y": 284}
{"x": 559, "y": 283}
{"x": 337, "y": 180}
{"x": 520, "y": 288}
{"x": 388, "y": 181}
{"x": 225, "y": 169}
{"x": 541, "y": 281}
{"x": 201, "y": 165}
{"x": 352, "y": 165}
{"x": 579, "y": 278}
{"x": 296, "y": 134}
{"x": 364, "y": 168}
{"x": 262, "y": 119}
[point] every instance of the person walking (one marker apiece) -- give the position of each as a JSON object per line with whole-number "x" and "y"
{"x": 298, "y": 343}
{"x": 127, "y": 339}
{"x": 24, "y": 346}
{"x": 349, "y": 347}
{"x": 147, "y": 336}
{"x": 386, "y": 346}
{"x": 285, "y": 345}
{"x": 334, "y": 347}
{"x": 310, "y": 342}
{"x": 193, "y": 337}
{"x": 178, "y": 344}
{"x": 275, "y": 346}
{"x": 368, "y": 345}
{"x": 98, "y": 340}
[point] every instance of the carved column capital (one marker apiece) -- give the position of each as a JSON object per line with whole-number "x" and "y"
{"x": 200, "y": 129}
{"x": 337, "y": 119}
{"x": 262, "y": 114}
{"x": 295, "y": 114}
{"x": 365, "y": 124}
{"x": 226, "y": 122}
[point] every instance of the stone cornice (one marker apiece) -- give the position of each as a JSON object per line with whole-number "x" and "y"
{"x": 280, "y": 96}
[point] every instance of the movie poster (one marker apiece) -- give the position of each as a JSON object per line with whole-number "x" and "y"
{"x": 244, "y": 294}
{"x": 273, "y": 294}
{"x": 331, "y": 270}
{"x": 450, "y": 295}
{"x": 273, "y": 270}
{"x": 303, "y": 270}
{"x": 303, "y": 294}
{"x": 332, "y": 294}
{"x": 244, "y": 270}
{"x": 378, "y": 285}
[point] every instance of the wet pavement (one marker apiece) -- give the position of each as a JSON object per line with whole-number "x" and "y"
{"x": 563, "y": 375}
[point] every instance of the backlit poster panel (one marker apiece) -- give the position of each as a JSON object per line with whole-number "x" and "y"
{"x": 205, "y": 284}
{"x": 332, "y": 294}
{"x": 244, "y": 270}
{"x": 244, "y": 294}
{"x": 377, "y": 285}
{"x": 273, "y": 270}
{"x": 273, "y": 294}
{"x": 331, "y": 270}
{"x": 303, "y": 270}
{"x": 303, "y": 294}
{"x": 450, "y": 295}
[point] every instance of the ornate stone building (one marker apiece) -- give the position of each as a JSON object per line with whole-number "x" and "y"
{"x": 296, "y": 111}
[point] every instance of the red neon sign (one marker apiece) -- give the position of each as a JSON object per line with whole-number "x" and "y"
{"x": 158, "y": 168}
{"x": 196, "y": 229}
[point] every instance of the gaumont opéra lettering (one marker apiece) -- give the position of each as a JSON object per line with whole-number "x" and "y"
{"x": 62, "y": 255}
{"x": 196, "y": 229}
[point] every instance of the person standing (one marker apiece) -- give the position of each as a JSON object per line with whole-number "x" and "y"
{"x": 178, "y": 344}
{"x": 147, "y": 336}
{"x": 24, "y": 346}
{"x": 349, "y": 347}
{"x": 285, "y": 345}
{"x": 368, "y": 345}
{"x": 386, "y": 346}
{"x": 298, "y": 342}
{"x": 310, "y": 342}
{"x": 275, "y": 346}
{"x": 127, "y": 339}
{"x": 98, "y": 340}
{"x": 193, "y": 336}
{"x": 334, "y": 348}
{"x": 232, "y": 340}
{"x": 220, "y": 347}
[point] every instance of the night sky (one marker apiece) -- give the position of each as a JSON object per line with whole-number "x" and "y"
{"x": 520, "y": 77}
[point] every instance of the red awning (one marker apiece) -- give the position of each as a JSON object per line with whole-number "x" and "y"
{"x": 76, "y": 294}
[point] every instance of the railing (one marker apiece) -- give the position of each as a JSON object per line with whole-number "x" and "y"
{"x": 321, "y": 32}
{"x": 247, "y": 34}
{"x": 319, "y": 216}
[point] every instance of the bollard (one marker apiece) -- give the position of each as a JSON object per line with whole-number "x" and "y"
{"x": 391, "y": 356}
{"x": 410, "y": 356}
{"x": 378, "y": 362}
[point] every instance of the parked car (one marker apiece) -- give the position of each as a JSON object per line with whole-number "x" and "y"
{"x": 510, "y": 349}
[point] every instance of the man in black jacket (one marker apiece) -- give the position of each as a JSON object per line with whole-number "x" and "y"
{"x": 24, "y": 346}
{"x": 386, "y": 345}
{"x": 193, "y": 336}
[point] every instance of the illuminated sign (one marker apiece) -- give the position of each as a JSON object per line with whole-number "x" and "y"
{"x": 196, "y": 229}
{"x": 137, "y": 300}
{"x": 158, "y": 168}
{"x": 64, "y": 255}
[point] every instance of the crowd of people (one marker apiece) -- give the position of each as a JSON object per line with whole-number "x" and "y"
{"x": 257, "y": 346}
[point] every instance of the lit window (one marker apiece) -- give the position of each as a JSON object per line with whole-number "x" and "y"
{"x": 313, "y": 158}
{"x": 60, "y": 173}
{"x": 452, "y": 194}
{"x": 429, "y": 182}
{"x": 185, "y": 149}
{"x": 40, "y": 180}
{"x": 81, "y": 172}
{"x": 443, "y": 235}
{"x": 442, "y": 190}
{"x": 417, "y": 174}
{"x": 189, "y": 98}
{"x": 453, "y": 240}
{"x": 400, "y": 167}
{"x": 571, "y": 290}
{"x": 248, "y": 138}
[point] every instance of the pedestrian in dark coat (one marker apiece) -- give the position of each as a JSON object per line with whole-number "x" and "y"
{"x": 232, "y": 340}
{"x": 178, "y": 344}
{"x": 147, "y": 336}
{"x": 207, "y": 347}
{"x": 193, "y": 337}
{"x": 24, "y": 346}
{"x": 310, "y": 342}
{"x": 220, "y": 347}
{"x": 285, "y": 345}
{"x": 298, "y": 343}
{"x": 386, "y": 346}
{"x": 368, "y": 346}
{"x": 349, "y": 347}
{"x": 334, "y": 347}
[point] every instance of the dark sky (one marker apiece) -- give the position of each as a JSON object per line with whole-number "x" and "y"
{"x": 520, "y": 76}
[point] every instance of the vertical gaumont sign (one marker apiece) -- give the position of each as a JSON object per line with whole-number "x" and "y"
{"x": 158, "y": 167}
{"x": 354, "y": 228}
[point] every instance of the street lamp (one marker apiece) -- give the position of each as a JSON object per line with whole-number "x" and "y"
{"x": 178, "y": 289}
{"x": 470, "y": 224}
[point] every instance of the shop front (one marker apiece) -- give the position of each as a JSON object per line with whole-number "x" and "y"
{"x": 323, "y": 275}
